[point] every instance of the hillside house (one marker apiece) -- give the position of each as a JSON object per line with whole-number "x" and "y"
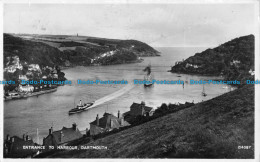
{"x": 34, "y": 67}
{"x": 13, "y": 147}
{"x": 10, "y": 69}
{"x": 23, "y": 77}
{"x": 192, "y": 65}
{"x": 235, "y": 62}
{"x": 29, "y": 74}
{"x": 25, "y": 88}
{"x": 13, "y": 93}
{"x": 62, "y": 137}
{"x": 54, "y": 74}
{"x": 251, "y": 72}
{"x": 107, "y": 123}
{"x": 16, "y": 63}
{"x": 141, "y": 109}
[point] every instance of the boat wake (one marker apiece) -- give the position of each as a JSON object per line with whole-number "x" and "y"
{"x": 112, "y": 96}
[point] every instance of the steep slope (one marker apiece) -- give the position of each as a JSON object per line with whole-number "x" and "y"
{"x": 211, "y": 129}
{"x": 31, "y": 52}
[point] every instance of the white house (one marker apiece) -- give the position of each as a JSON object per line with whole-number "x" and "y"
{"x": 23, "y": 77}
{"x": 26, "y": 88}
{"x": 191, "y": 65}
{"x": 10, "y": 69}
{"x": 55, "y": 76}
{"x": 235, "y": 62}
{"x": 16, "y": 63}
{"x": 251, "y": 72}
{"x": 34, "y": 67}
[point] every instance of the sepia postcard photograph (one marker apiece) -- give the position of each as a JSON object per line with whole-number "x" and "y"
{"x": 151, "y": 79}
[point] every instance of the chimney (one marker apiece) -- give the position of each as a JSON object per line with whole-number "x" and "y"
{"x": 27, "y": 138}
{"x": 24, "y": 137}
{"x": 12, "y": 139}
{"x": 118, "y": 114}
{"x": 6, "y": 149}
{"x": 97, "y": 119}
{"x": 50, "y": 130}
{"x": 8, "y": 137}
{"x": 79, "y": 102}
{"x": 143, "y": 103}
{"x": 74, "y": 126}
{"x": 61, "y": 135}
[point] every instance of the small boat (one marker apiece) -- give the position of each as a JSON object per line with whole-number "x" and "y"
{"x": 81, "y": 107}
{"x": 204, "y": 94}
{"x": 148, "y": 84}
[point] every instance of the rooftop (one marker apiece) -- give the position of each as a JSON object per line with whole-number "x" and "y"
{"x": 69, "y": 134}
{"x": 137, "y": 105}
{"x": 105, "y": 121}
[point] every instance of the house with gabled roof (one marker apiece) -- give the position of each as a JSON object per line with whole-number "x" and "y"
{"x": 107, "y": 123}
{"x": 62, "y": 137}
{"x": 14, "y": 147}
{"x": 137, "y": 109}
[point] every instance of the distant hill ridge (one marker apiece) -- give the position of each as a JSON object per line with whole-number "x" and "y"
{"x": 48, "y": 50}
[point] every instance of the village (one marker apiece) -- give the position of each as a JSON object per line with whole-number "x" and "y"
{"x": 21, "y": 72}
{"x": 100, "y": 127}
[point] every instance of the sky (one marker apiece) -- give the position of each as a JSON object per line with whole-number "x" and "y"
{"x": 159, "y": 25}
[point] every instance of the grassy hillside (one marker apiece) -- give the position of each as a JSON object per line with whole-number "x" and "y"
{"x": 70, "y": 51}
{"x": 218, "y": 60}
{"x": 211, "y": 129}
{"x": 140, "y": 48}
{"x": 31, "y": 52}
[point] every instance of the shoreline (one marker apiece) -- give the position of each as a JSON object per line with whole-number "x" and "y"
{"x": 128, "y": 62}
{"x": 29, "y": 94}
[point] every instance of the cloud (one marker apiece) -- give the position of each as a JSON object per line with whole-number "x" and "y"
{"x": 155, "y": 24}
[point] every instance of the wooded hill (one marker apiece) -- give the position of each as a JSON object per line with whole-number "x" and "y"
{"x": 232, "y": 59}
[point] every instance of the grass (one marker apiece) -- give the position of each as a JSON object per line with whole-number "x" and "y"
{"x": 211, "y": 129}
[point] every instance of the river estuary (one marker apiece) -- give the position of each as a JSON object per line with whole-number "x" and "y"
{"x": 42, "y": 112}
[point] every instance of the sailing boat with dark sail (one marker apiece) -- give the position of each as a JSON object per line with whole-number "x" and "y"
{"x": 148, "y": 77}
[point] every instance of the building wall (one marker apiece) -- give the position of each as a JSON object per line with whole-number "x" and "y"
{"x": 49, "y": 141}
{"x": 94, "y": 130}
{"x": 135, "y": 111}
